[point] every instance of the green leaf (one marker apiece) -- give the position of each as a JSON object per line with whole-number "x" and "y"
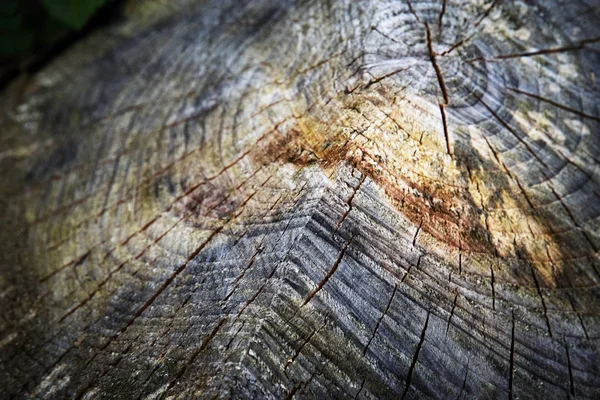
{"x": 73, "y": 13}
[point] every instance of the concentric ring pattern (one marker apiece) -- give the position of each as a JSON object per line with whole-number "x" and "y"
{"x": 312, "y": 199}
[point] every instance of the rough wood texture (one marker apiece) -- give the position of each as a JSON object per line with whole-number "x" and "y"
{"x": 312, "y": 199}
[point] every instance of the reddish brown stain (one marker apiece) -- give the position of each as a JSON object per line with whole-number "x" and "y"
{"x": 443, "y": 212}
{"x": 212, "y": 201}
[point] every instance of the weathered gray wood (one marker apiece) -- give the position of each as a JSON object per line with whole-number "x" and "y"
{"x": 312, "y": 199}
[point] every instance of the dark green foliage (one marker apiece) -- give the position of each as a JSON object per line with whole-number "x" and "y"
{"x": 28, "y": 25}
{"x": 73, "y": 13}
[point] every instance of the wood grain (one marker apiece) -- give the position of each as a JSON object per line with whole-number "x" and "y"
{"x": 307, "y": 199}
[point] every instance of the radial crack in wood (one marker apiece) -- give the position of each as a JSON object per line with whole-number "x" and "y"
{"x": 307, "y": 199}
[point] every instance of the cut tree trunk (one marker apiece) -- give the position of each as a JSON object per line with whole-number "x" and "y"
{"x": 310, "y": 199}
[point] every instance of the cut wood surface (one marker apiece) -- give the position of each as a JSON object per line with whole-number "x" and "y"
{"x": 307, "y": 199}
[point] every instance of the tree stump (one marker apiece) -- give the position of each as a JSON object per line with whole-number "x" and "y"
{"x": 307, "y": 199}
